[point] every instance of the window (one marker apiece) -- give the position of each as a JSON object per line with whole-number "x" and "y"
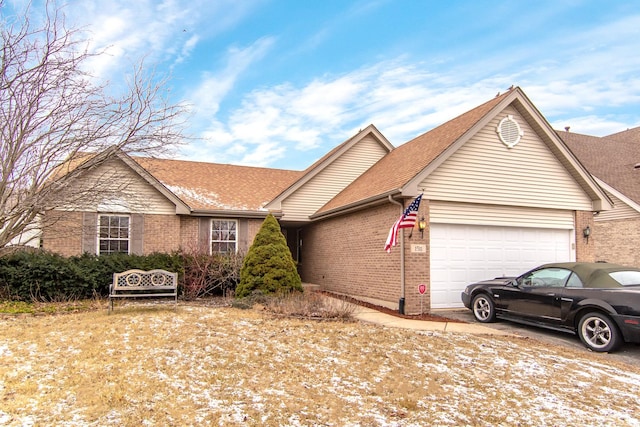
{"x": 224, "y": 236}
{"x": 626, "y": 278}
{"x": 113, "y": 234}
{"x": 574, "y": 281}
{"x": 547, "y": 277}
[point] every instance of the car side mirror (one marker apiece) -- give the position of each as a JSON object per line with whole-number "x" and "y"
{"x": 513, "y": 283}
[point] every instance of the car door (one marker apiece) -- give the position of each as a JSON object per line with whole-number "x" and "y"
{"x": 536, "y": 295}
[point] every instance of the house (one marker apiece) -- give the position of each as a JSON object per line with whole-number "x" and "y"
{"x": 614, "y": 161}
{"x": 164, "y": 205}
{"x": 501, "y": 193}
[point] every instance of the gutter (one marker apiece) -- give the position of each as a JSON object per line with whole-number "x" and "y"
{"x": 235, "y": 213}
{"x": 402, "y": 281}
{"x": 355, "y": 206}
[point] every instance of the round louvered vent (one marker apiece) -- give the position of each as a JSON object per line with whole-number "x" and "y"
{"x": 509, "y": 131}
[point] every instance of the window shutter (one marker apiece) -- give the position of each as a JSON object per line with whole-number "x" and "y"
{"x": 90, "y": 232}
{"x": 204, "y": 235}
{"x": 243, "y": 235}
{"x": 137, "y": 234}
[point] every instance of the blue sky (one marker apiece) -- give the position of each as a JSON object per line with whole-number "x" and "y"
{"x": 279, "y": 83}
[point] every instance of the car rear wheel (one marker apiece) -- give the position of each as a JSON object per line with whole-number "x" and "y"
{"x": 483, "y": 308}
{"x": 598, "y": 332}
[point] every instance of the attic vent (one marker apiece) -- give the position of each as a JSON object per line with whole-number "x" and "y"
{"x": 509, "y": 131}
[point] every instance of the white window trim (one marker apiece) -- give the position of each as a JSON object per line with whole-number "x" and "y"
{"x": 109, "y": 214}
{"x": 211, "y": 241}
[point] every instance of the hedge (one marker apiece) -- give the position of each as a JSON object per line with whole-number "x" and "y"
{"x": 45, "y": 276}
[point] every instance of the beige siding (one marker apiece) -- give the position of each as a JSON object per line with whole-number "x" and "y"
{"x": 506, "y": 216}
{"x": 620, "y": 210}
{"x": 485, "y": 171}
{"x": 329, "y": 182}
{"x": 121, "y": 190}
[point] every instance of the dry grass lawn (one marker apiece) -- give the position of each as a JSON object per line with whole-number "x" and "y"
{"x": 205, "y": 365}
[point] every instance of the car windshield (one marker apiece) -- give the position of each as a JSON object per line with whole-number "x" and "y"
{"x": 545, "y": 277}
{"x": 626, "y": 278}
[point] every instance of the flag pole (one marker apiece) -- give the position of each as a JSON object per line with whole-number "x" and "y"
{"x": 402, "y": 283}
{"x": 402, "y": 287}
{"x": 407, "y": 220}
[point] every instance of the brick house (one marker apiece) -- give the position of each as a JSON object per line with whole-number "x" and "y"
{"x": 501, "y": 193}
{"x": 614, "y": 161}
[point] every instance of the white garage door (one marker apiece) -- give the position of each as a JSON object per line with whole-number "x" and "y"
{"x": 463, "y": 254}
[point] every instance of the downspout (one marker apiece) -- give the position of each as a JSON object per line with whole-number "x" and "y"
{"x": 402, "y": 283}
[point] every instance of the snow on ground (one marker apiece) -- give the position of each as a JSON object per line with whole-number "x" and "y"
{"x": 221, "y": 366}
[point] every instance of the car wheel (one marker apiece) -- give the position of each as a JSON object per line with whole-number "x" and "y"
{"x": 598, "y": 332}
{"x": 483, "y": 308}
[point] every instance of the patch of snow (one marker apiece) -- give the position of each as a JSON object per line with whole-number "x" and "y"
{"x": 202, "y": 196}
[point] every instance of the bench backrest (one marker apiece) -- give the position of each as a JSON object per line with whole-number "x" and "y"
{"x": 144, "y": 280}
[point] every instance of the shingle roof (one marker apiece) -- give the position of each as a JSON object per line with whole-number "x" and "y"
{"x": 402, "y": 164}
{"x": 611, "y": 158}
{"x": 213, "y": 187}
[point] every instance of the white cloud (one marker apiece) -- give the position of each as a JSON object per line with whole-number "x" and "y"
{"x": 399, "y": 98}
{"x": 570, "y": 75}
{"x": 405, "y": 99}
{"x": 166, "y": 31}
{"x": 205, "y": 97}
{"x": 187, "y": 48}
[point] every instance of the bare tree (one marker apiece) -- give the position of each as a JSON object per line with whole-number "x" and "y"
{"x": 53, "y": 112}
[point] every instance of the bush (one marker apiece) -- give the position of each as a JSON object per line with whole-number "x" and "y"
{"x": 43, "y": 276}
{"x": 268, "y": 266}
{"x": 310, "y": 305}
{"x": 206, "y": 275}
{"x": 98, "y": 270}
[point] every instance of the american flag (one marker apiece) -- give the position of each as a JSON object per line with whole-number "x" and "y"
{"x": 406, "y": 220}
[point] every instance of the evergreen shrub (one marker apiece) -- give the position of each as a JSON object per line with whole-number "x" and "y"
{"x": 268, "y": 266}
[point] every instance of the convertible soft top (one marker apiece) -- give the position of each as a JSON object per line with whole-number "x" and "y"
{"x": 594, "y": 274}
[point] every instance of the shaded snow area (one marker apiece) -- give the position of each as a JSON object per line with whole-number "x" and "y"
{"x": 202, "y": 197}
{"x": 219, "y": 366}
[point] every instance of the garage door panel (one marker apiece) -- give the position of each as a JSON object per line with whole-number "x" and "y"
{"x": 463, "y": 254}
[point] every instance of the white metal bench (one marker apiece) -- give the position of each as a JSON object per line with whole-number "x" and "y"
{"x": 143, "y": 284}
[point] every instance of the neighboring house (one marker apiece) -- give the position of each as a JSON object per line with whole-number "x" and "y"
{"x": 30, "y": 237}
{"x": 614, "y": 161}
{"x": 502, "y": 193}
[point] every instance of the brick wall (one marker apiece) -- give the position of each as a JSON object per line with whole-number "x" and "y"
{"x": 189, "y": 229}
{"x": 253, "y": 226}
{"x": 585, "y": 248}
{"x": 418, "y": 267}
{"x": 161, "y": 233}
{"x": 617, "y": 241}
{"x": 348, "y": 256}
{"x": 63, "y": 233}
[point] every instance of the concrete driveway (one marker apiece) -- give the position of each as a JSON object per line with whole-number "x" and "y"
{"x": 628, "y": 353}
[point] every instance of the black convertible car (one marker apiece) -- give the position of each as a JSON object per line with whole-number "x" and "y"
{"x": 598, "y": 301}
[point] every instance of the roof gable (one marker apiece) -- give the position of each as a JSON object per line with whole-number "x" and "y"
{"x": 624, "y": 207}
{"x": 403, "y": 169}
{"x": 85, "y": 164}
{"x": 331, "y": 160}
{"x": 485, "y": 170}
{"x": 392, "y": 173}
